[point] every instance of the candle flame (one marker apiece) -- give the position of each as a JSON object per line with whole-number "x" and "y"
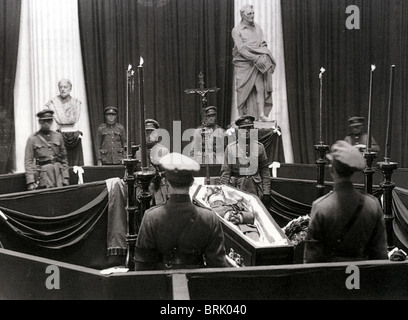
{"x": 141, "y": 62}
{"x": 372, "y": 67}
{"x": 129, "y": 67}
{"x": 322, "y": 69}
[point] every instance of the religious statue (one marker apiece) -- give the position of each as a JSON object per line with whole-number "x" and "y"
{"x": 67, "y": 111}
{"x": 254, "y": 65}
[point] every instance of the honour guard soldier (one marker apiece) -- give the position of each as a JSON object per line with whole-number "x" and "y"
{"x": 245, "y": 162}
{"x": 111, "y": 139}
{"x": 155, "y": 151}
{"x": 357, "y": 138}
{"x": 179, "y": 234}
{"x": 345, "y": 225}
{"x": 46, "y": 163}
{"x": 209, "y": 138}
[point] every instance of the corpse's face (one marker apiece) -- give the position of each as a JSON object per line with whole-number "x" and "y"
{"x": 64, "y": 89}
{"x": 248, "y": 16}
{"x": 356, "y": 129}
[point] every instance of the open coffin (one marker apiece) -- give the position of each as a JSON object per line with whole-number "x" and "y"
{"x": 258, "y": 240}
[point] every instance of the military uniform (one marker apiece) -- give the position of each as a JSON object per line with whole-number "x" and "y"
{"x": 214, "y": 149}
{"x": 111, "y": 141}
{"x": 155, "y": 151}
{"x": 345, "y": 224}
{"x": 238, "y": 169}
{"x": 179, "y": 234}
{"x": 45, "y": 157}
{"x": 360, "y": 139}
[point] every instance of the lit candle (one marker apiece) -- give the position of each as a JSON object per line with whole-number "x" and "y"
{"x": 142, "y": 115}
{"x": 369, "y": 109}
{"x": 389, "y": 116}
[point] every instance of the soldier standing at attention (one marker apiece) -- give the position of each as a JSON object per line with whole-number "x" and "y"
{"x": 345, "y": 225}
{"x": 111, "y": 139}
{"x": 179, "y": 234}
{"x": 45, "y": 160}
{"x": 246, "y": 164}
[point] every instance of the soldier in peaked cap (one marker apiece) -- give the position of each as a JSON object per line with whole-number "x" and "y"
{"x": 45, "y": 160}
{"x": 155, "y": 151}
{"x": 245, "y": 161}
{"x": 345, "y": 225}
{"x": 209, "y": 139}
{"x": 110, "y": 139}
{"x": 179, "y": 234}
{"x": 357, "y": 138}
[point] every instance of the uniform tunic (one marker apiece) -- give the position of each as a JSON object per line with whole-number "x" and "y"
{"x": 214, "y": 149}
{"x": 46, "y": 158}
{"x": 247, "y": 170}
{"x": 157, "y": 187}
{"x": 163, "y": 226}
{"x": 111, "y": 140}
{"x": 355, "y": 139}
{"x": 366, "y": 238}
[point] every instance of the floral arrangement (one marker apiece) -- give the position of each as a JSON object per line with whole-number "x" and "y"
{"x": 296, "y": 230}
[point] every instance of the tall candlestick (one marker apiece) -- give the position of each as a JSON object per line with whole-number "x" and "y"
{"x": 389, "y": 116}
{"x": 129, "y": 87}
{"x": 142, "y": 115}
{"x": 322, "y": 70}
{"x": 369, "y": 109}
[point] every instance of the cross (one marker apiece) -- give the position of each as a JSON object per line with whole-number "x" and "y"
{"x": 201, "y": 90}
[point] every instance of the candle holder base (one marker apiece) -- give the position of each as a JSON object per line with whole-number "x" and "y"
{"x": 369, "y": 171}
{"x": 387, "y": 168}
{"x": 321, "y": 162}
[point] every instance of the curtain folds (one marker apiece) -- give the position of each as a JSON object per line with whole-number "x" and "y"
{"x": 315, "y": 36}
{"x": 177, "y": 40}
{"x": 10, "y": 11}
{"x": 49, "y": 50}
{"x": 56, "y": 232}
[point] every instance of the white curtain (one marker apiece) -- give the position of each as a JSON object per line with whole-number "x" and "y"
{"x": 49, "y": 50}
{"x": 268, "y": 16}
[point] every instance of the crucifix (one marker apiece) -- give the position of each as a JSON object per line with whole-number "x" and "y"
{"x": 202, "y": 91}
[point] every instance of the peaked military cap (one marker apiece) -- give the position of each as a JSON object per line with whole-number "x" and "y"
{"x": 345, "y": 153}
{"x": 210, "y": 110}
{"x": 151, "y": 124}
{"x": 356, "y": 121}
{"x": 179, "y": 168}
{"x": 245, "y": 121}
{"x": 45, "y": 114}
{"x": 110, "y": 110}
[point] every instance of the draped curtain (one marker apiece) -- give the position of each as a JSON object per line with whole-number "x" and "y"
{"x": 268, "y": 15}
{"x": 49, "y": 50}
{"x": 176, "y": 39}
{"x": 315, "y": 36}
{"x": 9, "y": 35}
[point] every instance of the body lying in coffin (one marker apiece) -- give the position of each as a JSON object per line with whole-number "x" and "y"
{"x": 252, "y": 237}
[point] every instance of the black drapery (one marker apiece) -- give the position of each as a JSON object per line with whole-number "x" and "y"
{"x": 109, "y": 43}
{"x": 177, "y": 40}
{"x": 9, "y": 36}
{"x": 315, "y": 36}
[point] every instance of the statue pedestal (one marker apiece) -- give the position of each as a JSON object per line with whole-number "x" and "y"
{"x": 265, "y": 124}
